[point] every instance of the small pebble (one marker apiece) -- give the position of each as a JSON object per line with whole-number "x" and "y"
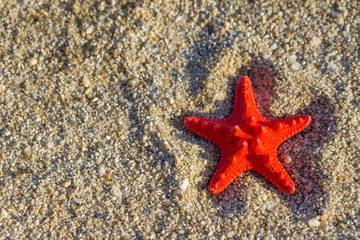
{"x": 67, "y": 184}
{"x": 177, "y": 160}
{"x": 27, "y": 151}
{"x": 4, "y": 213}
{"x": 171, "y": 101}
{"x": 49, "y": 144}
{"x": 178, "y": 18}
{"x": 287, "y": 159}
{"x": 278, "y": 52}
{"x": 314, "y": 41}
{"x": 264, "y": 197}
{"x": 324, "y": 217}
{"x": 135, "y": 218}
{"x": 2, "y": 88}
{"x": 101, "y": 170}
{"x": 331, "y": 66}
{"x": 134, "y": 82}
{"x": 7, "y": 133}
{"x": 28, "y": 86}
{"x": 314, "y": 222}
{"x": 116, "y": 191}
{"x": 295, "y": 66}
{"x": 184, "y": 184}
{"x": 89, "y": 30}
{"x": 86, "y": 81}
{"x": 231, "y": 234}
{"x": 108, "y": 177}
{"x": 292, "y": 58}
{"x": 88, "y": 92}
{"x": 78, "y": 200}
{"x": 33, "y": 61}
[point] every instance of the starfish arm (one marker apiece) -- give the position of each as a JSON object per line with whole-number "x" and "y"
{"x": 287, "y": 127}
{"x": 230, "y": 167}
{"x": 272, "y": 170}
{"x": 211, "y": 129}
{"x": 244, "y": 102}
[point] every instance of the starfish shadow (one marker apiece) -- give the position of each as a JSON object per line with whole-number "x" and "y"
{"x": 204, "y": 53}
{"x": 161, "y": 161}
{"x": 311, "y": 177}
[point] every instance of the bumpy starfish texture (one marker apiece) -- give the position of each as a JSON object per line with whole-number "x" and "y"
{"x": 248, "y": 141}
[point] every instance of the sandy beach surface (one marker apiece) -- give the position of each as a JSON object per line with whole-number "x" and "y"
{"x": 93, "y": 95}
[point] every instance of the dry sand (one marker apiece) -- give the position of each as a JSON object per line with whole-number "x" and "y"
{"x": 92, "y": 99}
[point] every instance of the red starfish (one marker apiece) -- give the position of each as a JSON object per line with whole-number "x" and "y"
{"x": 248, "y": 141}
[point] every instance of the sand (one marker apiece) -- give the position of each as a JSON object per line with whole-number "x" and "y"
{"x": 93, "y": 95}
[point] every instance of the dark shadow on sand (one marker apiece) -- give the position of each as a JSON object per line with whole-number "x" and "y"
{"x": 205, "y": 52}
{"x": 311, "y": 177}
